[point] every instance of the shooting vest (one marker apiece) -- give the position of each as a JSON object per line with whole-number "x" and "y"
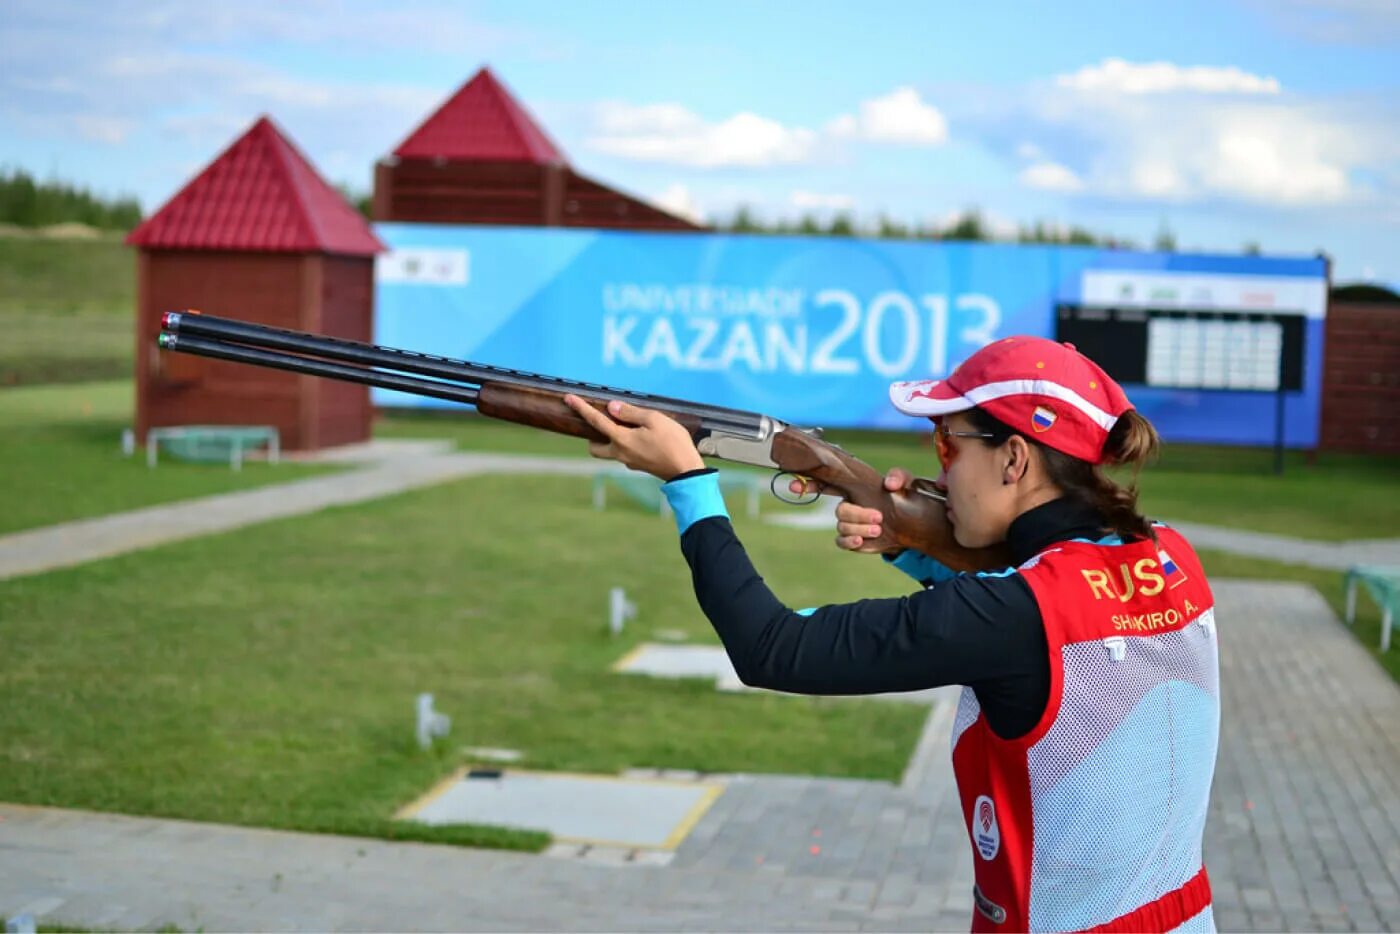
{"x": 1093, "y": 819}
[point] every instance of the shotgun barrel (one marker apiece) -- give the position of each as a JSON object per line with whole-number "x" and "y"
{"x": 237, "y": 353}
{"x": 228, "y": 331}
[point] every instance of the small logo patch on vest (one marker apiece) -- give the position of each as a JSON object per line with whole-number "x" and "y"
{"x": 985, "y": 831}
{"x": 989, "y": 909}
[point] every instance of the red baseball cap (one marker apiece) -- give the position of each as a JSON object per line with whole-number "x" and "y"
{"x": 1047, "y": 390}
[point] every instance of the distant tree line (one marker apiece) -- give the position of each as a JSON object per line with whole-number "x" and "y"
{"x": 968, "y": 226}
{"x": 28, "y": 203}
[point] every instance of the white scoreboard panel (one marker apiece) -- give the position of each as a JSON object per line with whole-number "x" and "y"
{"x": 1208, "y": 353}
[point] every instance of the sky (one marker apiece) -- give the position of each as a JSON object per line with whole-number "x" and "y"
{"x": 1228, "y": 123}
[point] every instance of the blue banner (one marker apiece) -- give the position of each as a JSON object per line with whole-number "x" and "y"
{"x": 809, "y": 330}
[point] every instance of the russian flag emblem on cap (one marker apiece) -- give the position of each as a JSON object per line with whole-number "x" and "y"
{"x": 1042, "y": 418}
{"x": 1173, "y": 574}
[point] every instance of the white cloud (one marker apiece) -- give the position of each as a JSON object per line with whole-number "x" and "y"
{"x": 1114, "y": 75}
{"x": 110, "y": 130}
{"x": 1281, "y": 156}
{"x": 669, "y": 133}
{"x": 1153, "y": 177}
{"x": 818, "y": 201}
{"x": 843, "y": 127}
{"x": 679, "y": 200}
{"x": 901, "y": 116}
{"x": 1264, "y": 148}
{"x": 1050, "y": 176}
{"x": 673, "y": 134}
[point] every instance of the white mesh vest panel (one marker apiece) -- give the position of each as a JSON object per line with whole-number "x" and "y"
{"x": 1119, "y": 789}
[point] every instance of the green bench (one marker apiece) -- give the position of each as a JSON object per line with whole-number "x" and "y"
{"x": 645, "y": 490}
{"x": 213, "y": 443}
{"x": 1383, "y": 584}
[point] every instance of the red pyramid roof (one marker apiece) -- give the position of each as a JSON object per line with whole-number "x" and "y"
{"x": 261, "y": 194}
{"x": 481, "y": 122}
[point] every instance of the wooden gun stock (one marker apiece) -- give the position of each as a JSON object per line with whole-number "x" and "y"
{"x": 912, "y": 520}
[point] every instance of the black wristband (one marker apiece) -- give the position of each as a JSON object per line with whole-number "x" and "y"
{"x": 692, "y": 473}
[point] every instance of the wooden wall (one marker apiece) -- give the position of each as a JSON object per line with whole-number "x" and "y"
{"x": 1361, "y": 378}
{"x": 310, "y": 292}
{"x": 507, "y": 193}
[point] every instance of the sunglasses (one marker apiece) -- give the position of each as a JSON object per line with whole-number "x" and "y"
{"x": 942, "y": 442}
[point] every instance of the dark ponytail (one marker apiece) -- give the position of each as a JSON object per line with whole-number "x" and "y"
{"x": 1132, "y": 441}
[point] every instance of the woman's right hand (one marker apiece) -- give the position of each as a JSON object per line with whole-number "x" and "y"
{"x": 858, "y": 528}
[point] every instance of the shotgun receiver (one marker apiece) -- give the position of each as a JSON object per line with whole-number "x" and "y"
{"x": 914, "y": 518}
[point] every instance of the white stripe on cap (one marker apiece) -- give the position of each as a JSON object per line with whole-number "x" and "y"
{"x": 1040, "y": 387}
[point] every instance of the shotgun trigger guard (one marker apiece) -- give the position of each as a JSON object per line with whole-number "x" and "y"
{"x": 793, "y": 499}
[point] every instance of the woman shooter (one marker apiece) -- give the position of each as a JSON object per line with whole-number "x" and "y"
{"x": 1085, "y": 740}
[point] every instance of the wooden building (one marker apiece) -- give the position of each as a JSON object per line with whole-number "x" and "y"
{"x": 481, "y": 158}
{"x": 1361, "y": 373}
{"x": 259, "y": 236}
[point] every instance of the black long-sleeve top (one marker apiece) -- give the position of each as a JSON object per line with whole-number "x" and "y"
{"x": 981, "y": 630}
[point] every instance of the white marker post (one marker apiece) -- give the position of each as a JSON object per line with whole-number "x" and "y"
{"x": 431, "y": 723}
{"x": 620, "y": 610}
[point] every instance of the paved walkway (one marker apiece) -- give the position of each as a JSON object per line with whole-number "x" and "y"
{"x": 387, "y": 469}
{"x": 1304, "y": 834}
{"x": 1304, "y": 831}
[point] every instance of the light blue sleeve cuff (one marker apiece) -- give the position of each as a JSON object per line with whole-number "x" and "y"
{"x": 695, "y": 498}
{"x": 923, "y": 568}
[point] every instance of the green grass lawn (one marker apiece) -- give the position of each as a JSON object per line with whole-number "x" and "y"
{"x": 62, "y": 459}
{"x": 67, "y": 309}
{"x": 267, "y": 676}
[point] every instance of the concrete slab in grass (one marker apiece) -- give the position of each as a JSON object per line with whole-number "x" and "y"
{"x": 601, "y": 810}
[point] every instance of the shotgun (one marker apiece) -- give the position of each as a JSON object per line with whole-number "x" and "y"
{"x": 914, "y": 518}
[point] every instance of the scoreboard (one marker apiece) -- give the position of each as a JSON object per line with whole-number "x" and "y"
{"x": 1186, "y": 349}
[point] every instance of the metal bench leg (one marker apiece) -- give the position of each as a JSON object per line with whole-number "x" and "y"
{"x": 1385, "y": 627}
{"x": 237, "y": 458}
{"x": 151, "y": 446}
{"x": 1351, "y": 600}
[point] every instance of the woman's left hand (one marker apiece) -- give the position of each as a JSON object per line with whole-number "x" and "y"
{"x": 642, "y": 439}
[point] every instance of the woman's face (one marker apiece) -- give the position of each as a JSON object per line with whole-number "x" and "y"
{"x": 981, "y": 504}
